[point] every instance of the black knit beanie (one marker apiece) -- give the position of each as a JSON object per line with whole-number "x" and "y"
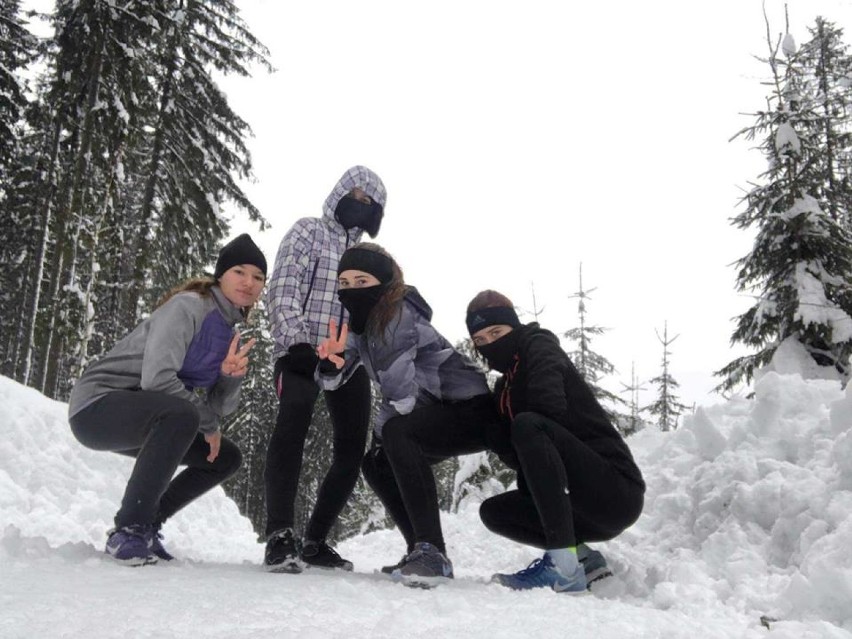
{"x": 361, "y": 259}
{"x": 240, "y": 250}
{"x": 491, "y": 316}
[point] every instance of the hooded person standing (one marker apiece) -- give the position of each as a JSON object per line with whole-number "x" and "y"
{"x": 160, "y": 393}
{"x": 301, "y": 300}
{"x": 577, "y": 481}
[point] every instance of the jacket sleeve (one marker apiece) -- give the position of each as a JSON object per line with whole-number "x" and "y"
{"x": 395, "y": 370}
{"x": 284, "y": 299}
{"x": 170, "y": 332}
{"x": 224, "y": 397}
{"x": 351, "y": 361}
{"x": 545, "y": 379}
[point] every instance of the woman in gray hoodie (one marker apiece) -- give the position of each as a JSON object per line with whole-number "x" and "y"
{"x": 159, "y": 394}
{"x": 435, "y": 401}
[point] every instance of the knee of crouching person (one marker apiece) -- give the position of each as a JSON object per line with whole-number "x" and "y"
{"x": 524, "y": 424}
{"x": 486, "y": 513}
{"x": 230, "y": 458}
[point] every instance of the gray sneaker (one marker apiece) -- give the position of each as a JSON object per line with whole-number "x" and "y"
{"x": 424, "y": 566}
{"x": 594, "y": 564}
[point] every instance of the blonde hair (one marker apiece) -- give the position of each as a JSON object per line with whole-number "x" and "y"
{"x": 202, "y": 286}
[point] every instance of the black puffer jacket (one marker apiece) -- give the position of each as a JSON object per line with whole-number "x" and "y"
{"x": 543, "y": 380}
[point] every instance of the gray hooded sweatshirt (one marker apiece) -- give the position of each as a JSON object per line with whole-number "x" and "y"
{"x": 302, "y": 289}
{"x": 178, "y": 350}
{"x": 412, "y": 364}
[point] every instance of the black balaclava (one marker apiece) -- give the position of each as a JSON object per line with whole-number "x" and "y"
{"x": 351, "y": 212}
{"x": 500, "y": 353}
{"x": 360, "y": 302}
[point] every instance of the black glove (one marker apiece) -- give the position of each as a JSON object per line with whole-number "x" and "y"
{"x": 301, "y": 359}
{"x": 327, "y": 367}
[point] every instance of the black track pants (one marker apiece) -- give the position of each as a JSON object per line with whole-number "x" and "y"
{"x": 161, "y": 432}
{"x": 350, "y": 414}
{"x": 410, "y": 445}
{"x": 571, "y": 493}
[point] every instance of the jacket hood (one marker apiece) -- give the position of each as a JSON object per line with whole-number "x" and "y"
{"x": 533, "y": 330}
{"x": 360, "y": 177}
{"x": 413, "y": 297}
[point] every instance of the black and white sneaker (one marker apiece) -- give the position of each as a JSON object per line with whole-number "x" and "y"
{"x": 594, "y": 564}
{"x": 319, "y": 554}
{"x": 424, "y": 567}
{"x": 388, "y": 570}
{"x": 282, "y": 553}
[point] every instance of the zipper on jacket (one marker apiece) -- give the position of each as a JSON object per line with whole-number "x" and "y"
{"x": 311, "y": 285}
{"x": 505, "y": 403}
{"x": 340, "y": 319}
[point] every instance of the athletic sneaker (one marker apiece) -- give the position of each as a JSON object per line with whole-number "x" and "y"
{"x": 157, "y": 545}
{"x": 321, "y": 555}
{"x": 131, "y": 545}
{"x": 425, "y": 561}
{"x": 542, "y": 573}
{"x": 388, "y": 570}
{"x": 282, "y": 552}
{"x": 594, "y": 564}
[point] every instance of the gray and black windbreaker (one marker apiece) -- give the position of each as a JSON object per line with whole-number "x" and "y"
{"x": 412, "y": 364}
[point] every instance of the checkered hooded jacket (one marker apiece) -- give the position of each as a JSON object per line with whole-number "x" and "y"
{"x": 302, "y": 292}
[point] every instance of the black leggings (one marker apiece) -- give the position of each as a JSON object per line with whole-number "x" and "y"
{"x": 350, "y": 416}
{"x": 569, "y": 494}
{"x": 400, "y": 472}
{"x": 161, "y": 432}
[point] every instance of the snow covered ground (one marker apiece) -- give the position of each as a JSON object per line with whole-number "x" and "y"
{"x": 748, "y": 515}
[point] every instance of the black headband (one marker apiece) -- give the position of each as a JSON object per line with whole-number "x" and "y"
{"x": 477, "y": 320}
{"x": 360, "y": 259}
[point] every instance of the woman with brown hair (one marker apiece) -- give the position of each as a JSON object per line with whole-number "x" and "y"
{"x": 577, "y": 480}
{"x": 435, "y": 402}
{"x": 159, "y": 394}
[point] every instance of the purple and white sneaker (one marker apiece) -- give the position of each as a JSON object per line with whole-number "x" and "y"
{"x": 131, "y": 545}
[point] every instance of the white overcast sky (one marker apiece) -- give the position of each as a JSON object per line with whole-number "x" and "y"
{"x": 519, "y": 139}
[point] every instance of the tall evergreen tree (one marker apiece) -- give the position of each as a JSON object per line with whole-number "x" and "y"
{"x": 18, "y": 48}
{"x": 250, "y": 427}
{"x": 801, "y": 263}
{"x": 590, "y": 364}
{"x": 667, "y": 407}
{"x": 632, "y": 422}
{"x": 133, "y": 146}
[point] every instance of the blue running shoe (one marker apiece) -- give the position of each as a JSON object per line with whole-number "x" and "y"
{"x": 594, "y": 564}
{"x": 542, "y": 573}
{"x": 131, "y": 545}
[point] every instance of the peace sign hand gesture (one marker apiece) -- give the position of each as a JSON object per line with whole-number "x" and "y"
{"x": 235, "y": 363}
{"x": 331, "y": 347}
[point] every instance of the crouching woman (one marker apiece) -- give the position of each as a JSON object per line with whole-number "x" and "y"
{"x": 577, "y": 481}
{"x": 159, "y": 394}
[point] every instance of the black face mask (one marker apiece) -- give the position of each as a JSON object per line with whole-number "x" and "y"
{"x": 351, "y": 213}
{"x": 360, "y": 302}
{"x": 501, "y": 353}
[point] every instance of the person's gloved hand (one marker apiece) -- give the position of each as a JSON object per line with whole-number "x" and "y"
{"x": 301, "y": 359}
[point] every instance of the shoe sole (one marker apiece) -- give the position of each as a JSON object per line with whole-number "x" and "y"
{"x": 348, "y": 567}
{"x": 134, "y": 562}
{"x": 292, "y": 567}
{"x": 597, "y": 575}
{"x": 419, "y": 581}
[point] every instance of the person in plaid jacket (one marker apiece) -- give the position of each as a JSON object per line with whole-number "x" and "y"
{"x": 301, "y": 300}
